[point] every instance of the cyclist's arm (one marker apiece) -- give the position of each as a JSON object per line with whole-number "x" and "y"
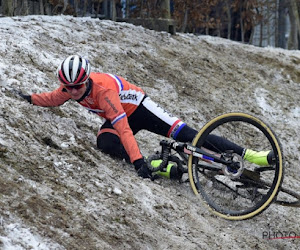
{"x": 115, "y": 113}
{"x": 50, "y": 99}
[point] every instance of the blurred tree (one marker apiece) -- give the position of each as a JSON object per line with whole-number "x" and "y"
{"x": 60, "y": 6}
{"x": 42, "y": 7}
{"x": 8, "y": 7}
{"x": 238, "y": 19}
{"x": 265, "y": 21}
{"x": 294, "y": 36}
{"x": 232, "y": 19}
{"x": 228, "y": 4}
{"x": 281, "y": 24}
{"x": 165, "y": 9}
{"x": 24, "y": 8}
{"x": 197, "y": 16}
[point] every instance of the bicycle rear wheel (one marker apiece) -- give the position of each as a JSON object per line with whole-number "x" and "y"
{"x": 247, "y": 195}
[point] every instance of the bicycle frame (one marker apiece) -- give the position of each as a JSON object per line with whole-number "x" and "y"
{"x": 215, "y": 161}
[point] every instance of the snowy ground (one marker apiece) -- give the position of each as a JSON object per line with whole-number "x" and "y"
{"x": 58, "y": 192}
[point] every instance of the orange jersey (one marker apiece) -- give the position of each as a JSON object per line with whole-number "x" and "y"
{"x": 110, "y": 97}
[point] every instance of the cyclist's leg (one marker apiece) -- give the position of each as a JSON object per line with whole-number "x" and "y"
{"x": 108, "y": 141}
{"x": 151, "y": 117}
{"x": 212, "y": 142}
{"x": 161, "y": 122}
{"x": 155, "y": 119}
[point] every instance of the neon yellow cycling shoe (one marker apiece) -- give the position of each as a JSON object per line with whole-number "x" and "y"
{"x": 261, "y": 158}
{"x": 170, "y": 172}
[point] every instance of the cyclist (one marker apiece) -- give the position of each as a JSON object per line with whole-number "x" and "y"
{"x": 127, "y": 109}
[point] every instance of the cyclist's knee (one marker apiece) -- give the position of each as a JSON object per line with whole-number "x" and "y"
{"x": 108, "y": 142}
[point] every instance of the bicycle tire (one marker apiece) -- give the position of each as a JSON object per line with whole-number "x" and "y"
{"x": 227, "y": 203}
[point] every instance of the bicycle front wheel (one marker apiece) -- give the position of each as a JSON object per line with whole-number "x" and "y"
{"x": 245, "y": 196}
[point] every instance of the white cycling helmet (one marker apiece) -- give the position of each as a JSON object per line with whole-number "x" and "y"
{"x": 74, "y": 70}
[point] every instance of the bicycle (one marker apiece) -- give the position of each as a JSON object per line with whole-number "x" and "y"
{"x": 232, "y": 188}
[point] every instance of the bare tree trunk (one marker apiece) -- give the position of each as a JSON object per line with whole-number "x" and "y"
{"x": 105, "y": 10}
{"x": 142, "y": 9}
{"x": 85, "y": 5}
{"x": 18, "y": 7}
{"x": 48, "y": 8}
{"x": 42, "y": 12}
{"x": 113, "y": 10}
{"x": 25, "y": 11}
{"x": 65, "y": 6}
{"x": 298, "y": 5}
{"x": 98, "y": 8}
{"x": 185, "y": 19}
{"x": 127, "y": 10}
{"x": 8, "y": 7}
{"x": 218, "y": 20}
{"x": 251, "y": 37}
{"x": 165, "y": 9}
{"x": 206, "y": 26}
{"x": 280, "y": 41}
{"x": 261, "y": 33}
{"x": 242, "y": 25}
{"x": 296, "y": 8}
{"x": 219, "y": 29}
{"x": 268, "y": 23}
{"x": 76, "y": 7}
{"x": 229, "y": 24}
{"x": 295, "y": 26}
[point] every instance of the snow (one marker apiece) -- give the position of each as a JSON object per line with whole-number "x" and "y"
{"x": 16, "y": 232}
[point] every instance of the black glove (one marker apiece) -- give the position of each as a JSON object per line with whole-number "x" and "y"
{"x": 142, "y": 169}
{"x": 26, "y": 97}
{"x": 19, "y": 93}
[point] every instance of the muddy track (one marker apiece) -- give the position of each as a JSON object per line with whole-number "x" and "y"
{"x": 59, "y": 192}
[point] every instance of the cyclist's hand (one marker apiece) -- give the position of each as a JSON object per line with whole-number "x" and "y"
{"x": 20, "y": 94}
{"x": 26, "y": 97}
{"x": 142, "y": 169}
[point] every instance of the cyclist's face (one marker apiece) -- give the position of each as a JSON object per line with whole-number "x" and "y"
{"x": 77, "y": 91}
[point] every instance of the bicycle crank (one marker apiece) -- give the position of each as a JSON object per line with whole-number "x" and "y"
{"x": 235, "y": 168}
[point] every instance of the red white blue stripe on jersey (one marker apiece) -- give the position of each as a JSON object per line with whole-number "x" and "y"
{"x": 118, "y": 118}
{"x": 175, "y": 123}
{"x": 175, "y": 129}
{"x": 96, "y": 111}
{"x": 118, "y": 82}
